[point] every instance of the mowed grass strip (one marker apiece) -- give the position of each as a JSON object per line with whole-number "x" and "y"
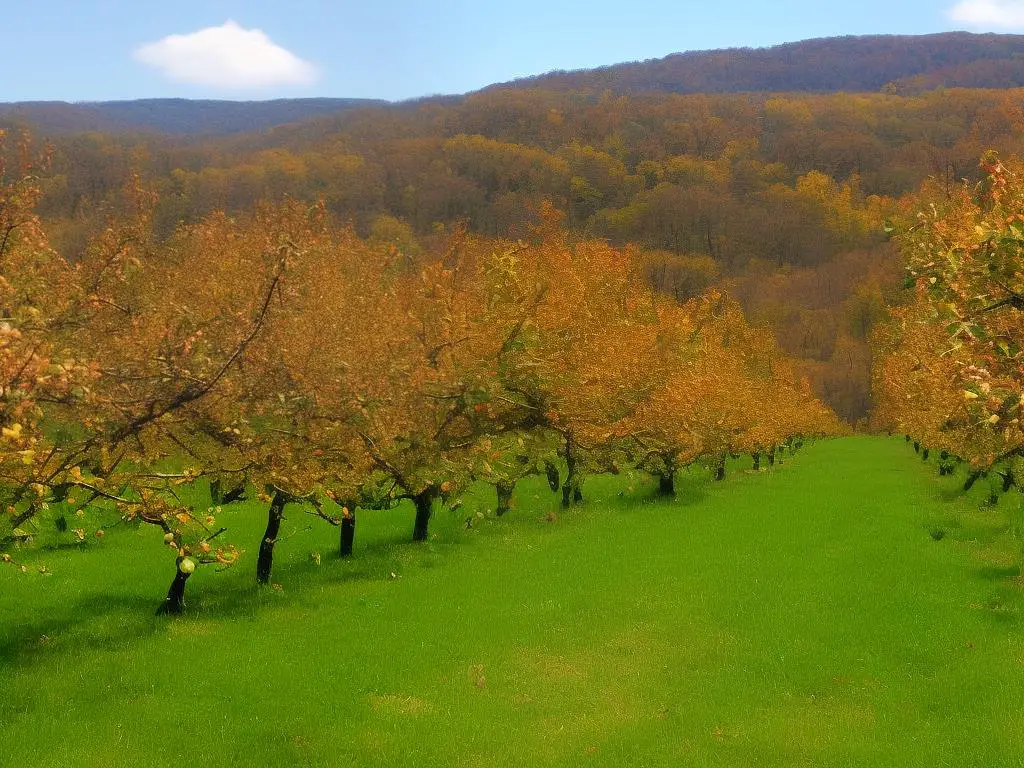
{"x": 800, "y": 616}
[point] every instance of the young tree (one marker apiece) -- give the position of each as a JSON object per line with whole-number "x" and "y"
{"x": 39, "y": 299}
{"x": 950, "y": 366}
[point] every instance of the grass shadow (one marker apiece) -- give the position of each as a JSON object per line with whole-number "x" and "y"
{"x": 27, "y": 643}
{"x": 997, "y": 572}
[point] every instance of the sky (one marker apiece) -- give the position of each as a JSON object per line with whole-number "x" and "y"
{"x": 94, "y": 50}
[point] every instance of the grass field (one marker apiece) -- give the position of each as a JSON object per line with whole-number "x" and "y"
{"x": 804, "y": 616}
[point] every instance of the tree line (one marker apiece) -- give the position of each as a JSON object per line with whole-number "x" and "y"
{"x": 278, "y": 353}
{"x": 949, "y": 373}
{"x": 712, "y": 187}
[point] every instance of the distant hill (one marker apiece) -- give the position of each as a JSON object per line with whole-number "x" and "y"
{"x": 172, "y": 116}
{"x": 898, "y": 64}
{"x": 903, "y": 64}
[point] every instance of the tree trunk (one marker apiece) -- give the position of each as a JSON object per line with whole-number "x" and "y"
{"x": 567, "y": 491}
{"x": 771, "y": 458}
{"x": 972, "y": 478}
{"x": 265, "y": 561}
{"x": 667, "y": 484}
{"x": 348, "y": 533}
{"x": 917, "y": 447}
{"x": 570, "y": 488}
{"x": 504, "y": 497}
{"x": 174, "y": 603}
{"x": 424, "y": 502}
{"x": 924, "y": 455}
{"x": 757, "y": 460}
{"x": 554, "y": 481}
{"x": 720, "y": 468}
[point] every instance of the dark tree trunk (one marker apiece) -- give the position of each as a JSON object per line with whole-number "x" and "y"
{"x": 265, "y": 561}
{"x": 219, "y": 496}
{"x": 174, "y": 603}
{"x": 1007, "y": 481}
{"x": 554, "y": 481}
{"x": 215, "y": 491}
{"x": 348, "y": 533}
{"x": 771, "y": 458}
{"x": 972, "y": 479}
{"x": 917, "y": 447}
{"x": 720, "y": 468}
{"x": 667, "y": 478}
{"x": 571, "y": 487}
{"x": 757, "y": 460}
{"x": 924, "y": 455}
{"x": 424, "y": 502}
{"x": 235, "y": 494}
{"x": 504, "y": 497}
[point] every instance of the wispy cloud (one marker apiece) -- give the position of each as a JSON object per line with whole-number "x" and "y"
{"x": 226, "y": 57}
{"x": 989, "y": 14}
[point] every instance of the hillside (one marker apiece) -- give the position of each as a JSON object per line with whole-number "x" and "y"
{"x": 172, "y": 116}
{"x": 898, "y": 64}
{"x": 864, "y": 63}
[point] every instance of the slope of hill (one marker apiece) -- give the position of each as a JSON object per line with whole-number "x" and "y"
{"x": 899, "y": 64}
{"x": 173, "y": 116}
{"x": 864, "y": 63}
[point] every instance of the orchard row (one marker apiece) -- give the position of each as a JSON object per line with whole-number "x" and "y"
{"x": 950, "y": 367}
{"x": 278, "y": 352}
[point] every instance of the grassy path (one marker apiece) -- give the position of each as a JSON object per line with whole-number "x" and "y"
{"x": 799, "y": 617}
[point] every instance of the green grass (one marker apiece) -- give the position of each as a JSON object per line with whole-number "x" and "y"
{"x": 799, "y": 617}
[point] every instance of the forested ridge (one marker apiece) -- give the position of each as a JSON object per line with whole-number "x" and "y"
{"x": 171, "y": 116}
{"x": 897, "y": 63}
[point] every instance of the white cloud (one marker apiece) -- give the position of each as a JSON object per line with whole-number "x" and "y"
{"x": 226, "y": 57}
{"x": 1002, "y": 14}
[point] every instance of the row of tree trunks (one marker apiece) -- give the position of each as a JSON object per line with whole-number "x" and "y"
{"x": 424, "y": 502}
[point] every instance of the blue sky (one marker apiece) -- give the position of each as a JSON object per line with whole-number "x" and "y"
{"x": 79, "y": 50}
